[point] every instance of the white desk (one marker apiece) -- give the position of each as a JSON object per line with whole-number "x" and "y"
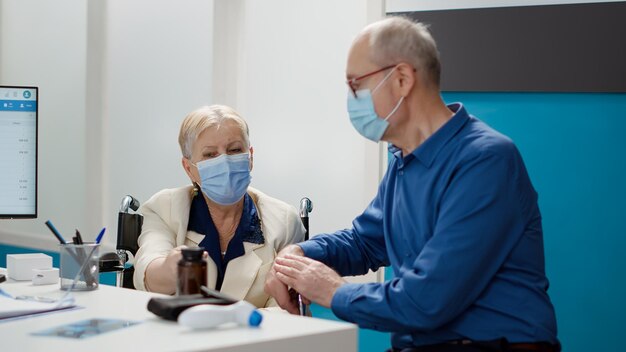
{"x": 278, "y": 332}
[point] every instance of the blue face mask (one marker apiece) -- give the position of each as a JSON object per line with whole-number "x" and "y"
{"x": 225, "y": 179}
{"x": 363, "y": 115}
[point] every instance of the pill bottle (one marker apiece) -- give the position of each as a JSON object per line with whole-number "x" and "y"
{"x": 192, "y": 271}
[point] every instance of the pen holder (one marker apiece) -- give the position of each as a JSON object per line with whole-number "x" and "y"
{"x": 75, "y": 258}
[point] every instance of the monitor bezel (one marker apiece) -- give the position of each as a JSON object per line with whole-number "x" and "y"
{"x": 29, "y": 216}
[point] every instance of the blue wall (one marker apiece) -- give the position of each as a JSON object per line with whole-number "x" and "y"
{"x": 6, "y": 249}
{"x": 575, "y": 150}
{"x": 369, "y": 340}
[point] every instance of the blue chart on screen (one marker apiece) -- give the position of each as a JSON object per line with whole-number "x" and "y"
{"x": 18, "y": 152}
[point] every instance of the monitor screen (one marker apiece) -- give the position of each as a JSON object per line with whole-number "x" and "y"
{"x": 18, "y": 152}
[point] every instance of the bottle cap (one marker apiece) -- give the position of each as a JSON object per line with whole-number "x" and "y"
{"x": 192, "y": 254}
{"x": 255, "y": 318}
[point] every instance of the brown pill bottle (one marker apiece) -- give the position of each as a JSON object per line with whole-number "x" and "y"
{"x": 192, "y": 271}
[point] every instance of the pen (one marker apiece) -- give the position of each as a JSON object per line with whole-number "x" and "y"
{"x": 55, "y": 232}
{"x": 79, "y": 238}
{"x": 99, "y": 238}
{"x": 62, "y": 241}
{"x": 82, "y": 255}
{"x": 5, "y": 294}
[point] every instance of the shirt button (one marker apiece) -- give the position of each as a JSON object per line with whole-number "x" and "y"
{"x": 408, "y": 254}
{"x": 401, "y": 172}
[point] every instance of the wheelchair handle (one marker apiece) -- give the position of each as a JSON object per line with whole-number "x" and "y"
{"x": 306, "y": 206}
{"x": 129, "y": 202}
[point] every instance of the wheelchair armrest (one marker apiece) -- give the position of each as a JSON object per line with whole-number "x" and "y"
{"x": 111, "y": 262}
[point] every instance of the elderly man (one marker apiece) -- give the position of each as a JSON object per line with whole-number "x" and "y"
{"x": 455, "y": 216}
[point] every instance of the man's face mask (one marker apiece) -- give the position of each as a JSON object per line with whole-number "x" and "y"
{"x": 225, "y": 179}
{"x": 363, "y": 114}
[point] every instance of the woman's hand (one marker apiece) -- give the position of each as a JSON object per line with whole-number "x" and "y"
{"x": 161, "y": 273}
{"x": 171, "y": 262}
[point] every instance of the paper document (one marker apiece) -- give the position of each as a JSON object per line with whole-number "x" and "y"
{"x": 12, "y": 307}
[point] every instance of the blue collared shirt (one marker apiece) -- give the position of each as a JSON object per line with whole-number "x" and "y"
{"x": 248, "y": 230}
{"x": 458, "y": 221}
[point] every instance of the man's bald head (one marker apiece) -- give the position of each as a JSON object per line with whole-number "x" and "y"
{"x": 397, "y": 39}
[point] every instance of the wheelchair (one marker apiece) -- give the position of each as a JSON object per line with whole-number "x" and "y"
{"x": 128, "y": 230}
{"x": 129, "y": 224}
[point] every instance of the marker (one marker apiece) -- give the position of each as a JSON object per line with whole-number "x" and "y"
{"x": 79, "y": 238}
{"x": 99, "y": 238}
{"x": 55, "y": 232}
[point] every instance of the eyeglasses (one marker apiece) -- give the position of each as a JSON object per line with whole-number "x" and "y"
{"x": 353, "y": 81}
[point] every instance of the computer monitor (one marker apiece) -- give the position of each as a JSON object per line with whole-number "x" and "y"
{"x": 18, "y": 152}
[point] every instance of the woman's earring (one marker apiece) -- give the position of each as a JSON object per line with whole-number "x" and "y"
{"x": 195, "y": 190}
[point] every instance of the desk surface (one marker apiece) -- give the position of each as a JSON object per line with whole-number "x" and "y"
{"x": 278, "y": 332}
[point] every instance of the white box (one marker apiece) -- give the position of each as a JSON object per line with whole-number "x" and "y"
{"x": 45, "y": 276}
{"x": 20, "y": 266}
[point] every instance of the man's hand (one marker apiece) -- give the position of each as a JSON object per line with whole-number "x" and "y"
{"x": 277, "y": 289}
{"x": 313, "y": 280}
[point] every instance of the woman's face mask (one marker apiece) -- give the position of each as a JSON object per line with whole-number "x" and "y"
{"x": 225, "y": 179}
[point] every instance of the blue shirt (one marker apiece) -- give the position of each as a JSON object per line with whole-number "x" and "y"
{"x": 248, "y": 230}
{"x": 458, "y": 221}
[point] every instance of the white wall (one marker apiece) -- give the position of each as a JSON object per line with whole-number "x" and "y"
{"x": 288, "y": 61}
{"x": 281, "y": 64}
{"x": 115, "y": 77}
{"x": 43, "y": 43}
{"x": 157, "y": 67}
{"x": 135, "y": 68}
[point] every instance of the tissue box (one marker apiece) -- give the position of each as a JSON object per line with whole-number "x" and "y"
{"x": 20, "y": 266}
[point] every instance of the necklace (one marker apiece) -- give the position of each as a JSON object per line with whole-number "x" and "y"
{"x": 226, "y": 235}
{"x": 225, "y": 239}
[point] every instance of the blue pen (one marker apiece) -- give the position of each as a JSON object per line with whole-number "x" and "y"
{"x": 99, "y": 238}
{"x": 55, "y": 232}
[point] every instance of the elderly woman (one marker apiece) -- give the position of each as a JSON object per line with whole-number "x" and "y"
{"x": 240, "y": 227}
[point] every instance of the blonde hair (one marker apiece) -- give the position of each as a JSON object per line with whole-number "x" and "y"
{"x": 208, "y": 116}
{"x": 398, "y": 39}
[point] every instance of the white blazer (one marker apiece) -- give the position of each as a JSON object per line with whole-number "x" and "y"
{"x": 166, "y": 216}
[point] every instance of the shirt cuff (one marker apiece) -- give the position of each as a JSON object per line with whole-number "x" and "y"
{"x": 341, "y": 302}
{"x": 312, "y": 250}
